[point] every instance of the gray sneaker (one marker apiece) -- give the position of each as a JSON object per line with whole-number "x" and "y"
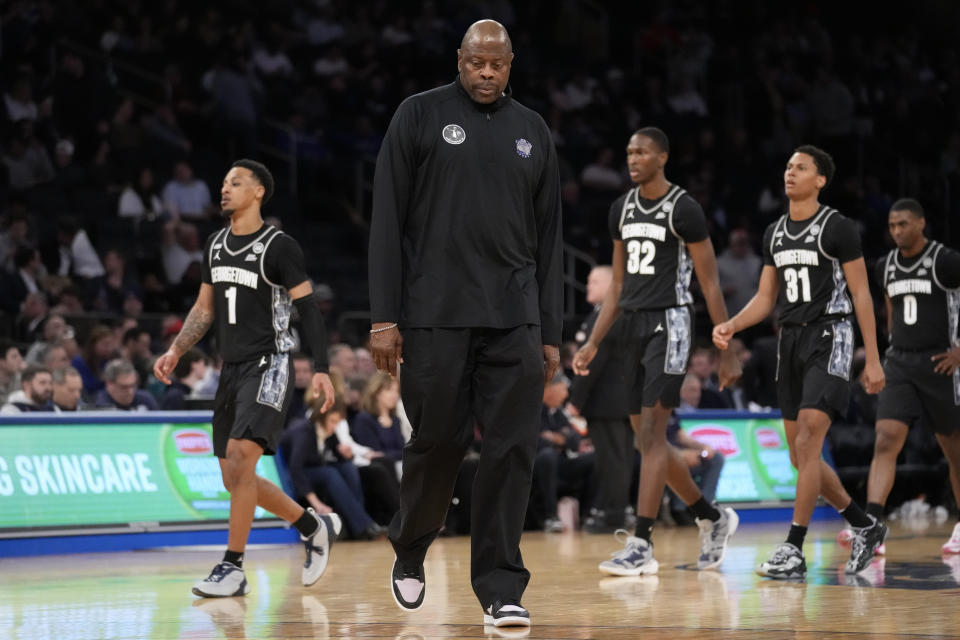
{"x": 785, "y": 563}
{"x": 864, "y": 545}
{"x": 635, "y": 559}
{"x": 714, "y": 537}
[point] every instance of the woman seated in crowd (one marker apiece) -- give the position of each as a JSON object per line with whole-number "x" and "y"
{"x": 322, "y": 472}
{"x": 378, "y": 475}
{"x": 377, "y": 425}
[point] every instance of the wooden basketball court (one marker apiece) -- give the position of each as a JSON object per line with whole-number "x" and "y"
{"x": 912, "y": 593}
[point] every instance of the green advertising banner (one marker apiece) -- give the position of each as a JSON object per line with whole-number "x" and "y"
{"x": 757, "y": 461}
{"x": 140, "y": 473}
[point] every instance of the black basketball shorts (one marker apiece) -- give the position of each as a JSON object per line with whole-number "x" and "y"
{"x": 814, "y": 363}
{"x": 656, "y": 350}
{"x": 914, "y": 390}
{"x": 252, "y": 402}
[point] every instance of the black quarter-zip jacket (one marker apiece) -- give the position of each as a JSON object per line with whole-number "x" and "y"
{"x": 466, "y": 227}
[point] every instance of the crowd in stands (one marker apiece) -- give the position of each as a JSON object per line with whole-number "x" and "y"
{"x": 119, "y": 119}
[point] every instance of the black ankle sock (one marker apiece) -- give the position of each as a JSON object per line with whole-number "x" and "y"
{"x": 644, "y": 528}
{"x": 703, "y": 510}
{"x": 796, "y": 535}
{"x": 234, "y": 557}
{"x": 875, "y": 509}
{"x": 307, "y": 524}
{"x": 856, "y": 516}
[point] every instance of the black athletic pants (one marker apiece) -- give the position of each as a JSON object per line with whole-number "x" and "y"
{"x": 614, "y": 445}
{"x": 450, "y": 379}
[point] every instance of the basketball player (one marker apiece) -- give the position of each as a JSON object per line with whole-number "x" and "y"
{"x": 811, "y": 257}
{"x": 921, "y": 285}
{"x": 253, "y": 277}
{"x": 659, "y": 239}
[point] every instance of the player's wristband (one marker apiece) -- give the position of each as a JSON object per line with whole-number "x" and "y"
{"x": 314, "y": 331}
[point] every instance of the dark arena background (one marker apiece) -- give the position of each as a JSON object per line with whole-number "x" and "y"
{"x": 120, "y": 119}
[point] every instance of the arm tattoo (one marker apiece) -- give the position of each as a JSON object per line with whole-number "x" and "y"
{"x": 194, "y": 328}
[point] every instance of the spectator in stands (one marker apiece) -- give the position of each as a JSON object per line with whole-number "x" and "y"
{"x": 23, "y": 280}
{"x": 11, "y": 368}
{"x": 68, "y": 176}
{"x": 33, "y": 312}
{"x": 67, "y": 390}
{"x": 77, "y": 256}
{"x": 140, "y": 199}
{"x": 15, "y": 235}
{"x": 99, "y": 348}
{"x": 34, "y": 394}
{"x": 377, "y": 425}
{"x": 378, "y": 476}
{"x": 118, "y": 283}
{"x": 163, "y": 128}
{"x": 187, "y": 376}
{"x": 365, "y": 365}
{"x": 54, "y": 330}
{"x": 343, "y": 359}
{"x": 564, "y": 461}
{"x": 18, "y": 101}
{"x": 53, "y": 358}
{"x": 703, "y": 365}
{"x": 600, "y": 175}
{"x": 181, "y": 248}
{"x": 704, "y": 461}
{"x": 185, "y": 196}
{"x": 302, "y": 376}
{"x": 320, "y": 470}
{"x": 739, "y": 269}
{"x": 135, "y": 346}
{"x": 121, "y": 390}
{"x": 70, "y": 302}
{"x": 28, "y": 163}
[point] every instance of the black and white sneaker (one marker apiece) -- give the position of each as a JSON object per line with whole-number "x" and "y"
{"x": 509, "y": 614}
{"x": 864, "y": 545}
{"x": 785, "y": 563}
{"x": 318, "y": 546}
{"x": 408, "y": 585}
{"x": 226, "y": 580}
{"x": 714, "y": 537}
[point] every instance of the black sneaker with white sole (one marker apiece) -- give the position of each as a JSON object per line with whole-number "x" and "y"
{"x": 408, "y": 585}
{"x": 506, "y": 614}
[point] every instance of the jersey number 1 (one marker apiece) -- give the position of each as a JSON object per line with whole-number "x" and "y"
{"x": 231, "y": 294}
{"x": 798, "y": 282}
{"x": 636, "y": 263}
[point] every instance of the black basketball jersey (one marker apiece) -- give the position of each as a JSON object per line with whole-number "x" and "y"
{"x": 809, "y": 257}
{"x": 251, "y": 302}
{"x": 925, "y": 310}
{"x": 655, "y": 234}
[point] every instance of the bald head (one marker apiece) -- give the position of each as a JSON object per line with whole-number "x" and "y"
{"x": 484, "y": 59}
{"x": 598, "y": 282}
{"x": 486, "y": 32}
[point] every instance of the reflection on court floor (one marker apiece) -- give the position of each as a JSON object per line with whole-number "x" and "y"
{"x": 912, "y": 592}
